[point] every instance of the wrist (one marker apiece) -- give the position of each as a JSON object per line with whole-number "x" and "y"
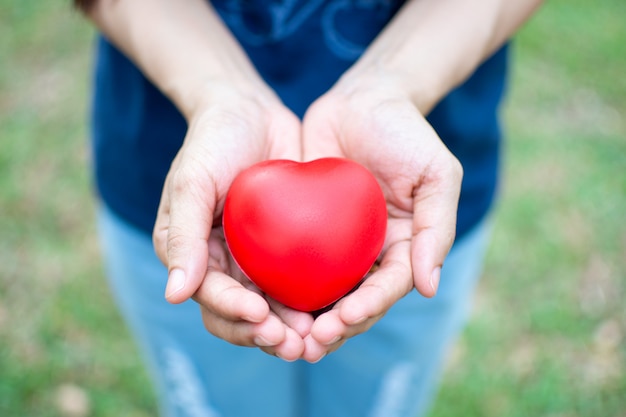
{"x": 185, "y": 49}
{"x": 432, "y": 46}
{"x": 196, "y": 96}
{"x": 382, "y": 81}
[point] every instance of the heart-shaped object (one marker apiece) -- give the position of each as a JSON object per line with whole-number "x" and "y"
{"x": 305, "y": 233}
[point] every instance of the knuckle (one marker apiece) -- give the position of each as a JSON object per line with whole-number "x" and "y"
{"x": 184, "y": 178}
{"x": 177, "y": 248}
{"x": 176, "y": 243}
{"x": 157, "y": 242}
{"x": 456, "y": 168}
{"x": 159, "y": 249}
{"x": 194, "y": 181}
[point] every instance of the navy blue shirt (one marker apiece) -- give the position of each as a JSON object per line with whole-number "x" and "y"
{"x": 300, "y": 48}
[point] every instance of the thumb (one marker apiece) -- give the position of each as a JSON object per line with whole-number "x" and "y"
{"x": 435, "y": 205}
{"x": 182, "y": 229}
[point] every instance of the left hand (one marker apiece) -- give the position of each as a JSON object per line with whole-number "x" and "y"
{"x": 377, "y": 125}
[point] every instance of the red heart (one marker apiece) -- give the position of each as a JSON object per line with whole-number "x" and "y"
{"x": 305, "y": 233}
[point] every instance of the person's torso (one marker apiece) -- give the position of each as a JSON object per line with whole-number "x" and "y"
{"x": 300, "y": 48}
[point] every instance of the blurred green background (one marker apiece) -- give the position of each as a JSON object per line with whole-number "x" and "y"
{"x": 547, "y": 337}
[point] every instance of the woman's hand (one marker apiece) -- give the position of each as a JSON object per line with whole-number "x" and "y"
{"x": 235, "y": 120}
{"x": 231, "y": 132}
{"x": 377, "y": 125}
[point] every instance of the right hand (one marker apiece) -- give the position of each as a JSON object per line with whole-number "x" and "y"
{"x": 373, "y": 121}
{"x": 226, "y": 135}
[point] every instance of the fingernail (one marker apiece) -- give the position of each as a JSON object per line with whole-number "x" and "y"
{"x": 175, "y": 282}
{"x": 261, "y": 341}
{"x": 286, "y": 360}
{"x": 434, "y": 279}
{"x": 333, "y": 341}
{"x": 320, "y": 358}
{"x": 251, "y": 319}
{"x": 358, "y": 320}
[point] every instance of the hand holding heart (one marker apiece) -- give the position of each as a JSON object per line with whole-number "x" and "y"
{"x": 226, "y": 135}
{"x": 382, "y": 131}
{"x": 380, "y": 128}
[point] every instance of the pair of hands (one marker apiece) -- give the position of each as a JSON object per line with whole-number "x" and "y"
{"x": 374, "y": 124}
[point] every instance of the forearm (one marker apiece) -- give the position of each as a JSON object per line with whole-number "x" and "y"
{"x": 431, "y": 46}
{"x": 181, "y": 46}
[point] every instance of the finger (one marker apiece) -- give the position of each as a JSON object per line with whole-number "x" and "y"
{"x": 229, "y": 299}
{"x": 191, "y": 197}
{"x": 286, "y": 143}
{"x": 290, "y": 349}
{"x": 435, "y": 205}
{"x": 380, "y": 291}
{"x": 360, "y": 310}
{"x": 159, "y": 233}
{"x": 315, "y": 351}
{"x": 234, "y": 310}
{"x": 269, "y": 332}
{"x": 178, "y": 287}
{"x": 329, "y": 328}
{"x": 299, "y": 321}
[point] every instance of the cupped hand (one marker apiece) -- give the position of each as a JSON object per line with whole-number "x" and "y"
{"x": 377, "y": 125}
{"x": 229, "y": 132}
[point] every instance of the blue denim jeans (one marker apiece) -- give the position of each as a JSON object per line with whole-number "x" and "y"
{"x": 390, "y": 371}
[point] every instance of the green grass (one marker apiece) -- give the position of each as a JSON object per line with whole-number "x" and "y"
{"x": 58, "y": 325}
{"x": 547, "y": 337}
